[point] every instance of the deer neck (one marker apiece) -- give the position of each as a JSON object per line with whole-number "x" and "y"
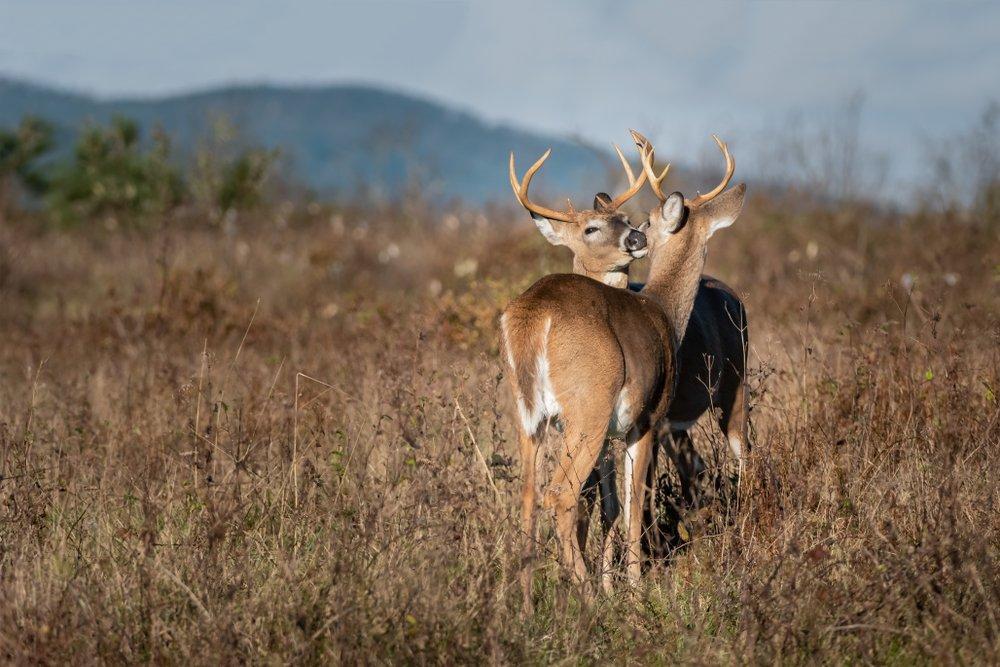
{"x": 616, "y": 278}
{"x": 674, "y": 274}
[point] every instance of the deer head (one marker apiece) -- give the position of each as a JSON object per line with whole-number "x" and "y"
{"x": 704, "y": 214}
{"x": 602, "y": 239}
{"x": 678, "y": 231}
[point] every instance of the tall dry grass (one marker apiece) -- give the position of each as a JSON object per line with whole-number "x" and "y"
{"x": 290, "y": 441}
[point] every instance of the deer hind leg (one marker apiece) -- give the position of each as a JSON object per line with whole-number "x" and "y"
{"x": 637, "y": 460}
{"x": 529, "y": 509}
{"x": 653, "y": 538}
{"x": 585, "y": 507}
{"x": 600, "y": 484}
{"x": 610, "y": 510}
{"x": 735, "y": 421}
{"x": 580, "y": 452}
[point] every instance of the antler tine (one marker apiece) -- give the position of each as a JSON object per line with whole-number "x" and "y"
{"x": 730, "y": 169}
{"x": 635, "y": 184}
{"x": 625, "y": 166}
{"x": 646, "y": 153}
{"x": 521, "y": 190}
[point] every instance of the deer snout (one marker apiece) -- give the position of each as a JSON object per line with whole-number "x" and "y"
{"x": 635, "y": 240}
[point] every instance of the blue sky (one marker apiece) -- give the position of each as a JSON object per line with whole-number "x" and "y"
{"x": 676, "y": 70}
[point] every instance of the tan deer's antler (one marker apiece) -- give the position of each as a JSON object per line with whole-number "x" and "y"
{"x": 521, "y": 191}
{"x": 521, "y": 188}
{"x": 655, "y": 181}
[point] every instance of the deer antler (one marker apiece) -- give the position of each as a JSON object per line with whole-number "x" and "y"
{"x": 730, "y": 168}
{"x": 655, "y": 181}
{"x": 646, "y": 152}
{"x": 635, "y": 184}
{"x": 521, "y": 191}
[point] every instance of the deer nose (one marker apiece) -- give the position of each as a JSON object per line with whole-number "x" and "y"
{"x": 635, "y": 240}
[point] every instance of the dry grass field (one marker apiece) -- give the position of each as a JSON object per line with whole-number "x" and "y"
{"x": 290, "y": 441}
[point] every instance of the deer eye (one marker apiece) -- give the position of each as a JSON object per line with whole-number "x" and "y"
{"x": 590, "y": 230}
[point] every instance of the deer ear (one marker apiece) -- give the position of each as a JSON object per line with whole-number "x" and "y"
{"x": 602, "y": 202}
{"x": 665, "y": 219}
{"x": 724, "y": 209}
{"x": 672, "y": 212}
{"x": 551, "y": 232}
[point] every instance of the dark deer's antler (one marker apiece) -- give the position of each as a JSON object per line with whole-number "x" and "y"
{"x": 655, "y": 181}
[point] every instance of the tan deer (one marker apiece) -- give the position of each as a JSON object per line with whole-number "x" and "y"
{"x": 603, "y": 361}
{"x": 604, "y": 243}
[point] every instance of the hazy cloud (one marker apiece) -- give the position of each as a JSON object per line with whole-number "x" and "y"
{"x": 678, "y": 70}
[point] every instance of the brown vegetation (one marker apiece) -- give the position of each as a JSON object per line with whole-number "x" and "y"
{"x": 290, "y": 441}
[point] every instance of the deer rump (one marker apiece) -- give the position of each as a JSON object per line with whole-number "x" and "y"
{"x": 576, "y": 356}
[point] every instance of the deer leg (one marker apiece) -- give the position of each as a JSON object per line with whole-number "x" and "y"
{"x": 586, "y": 507}
{"x": 735, "y": 422}
{"x": 650, "y": 524}
{"x": 610, "y": 510}
{"x": 529, "y": 506}
{"x": 601, "y": 481}
{"x": 636, "y": 463}
{"x": 577, "y": 459}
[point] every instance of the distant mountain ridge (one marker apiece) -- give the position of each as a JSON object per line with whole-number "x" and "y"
{"x": 339, "y": 138}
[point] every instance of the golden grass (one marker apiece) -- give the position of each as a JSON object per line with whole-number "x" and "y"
{"x": 291, "y": 442}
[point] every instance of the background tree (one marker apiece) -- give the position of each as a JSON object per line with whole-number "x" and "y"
{"x": 20, "y": 152}
{"x": 112, "y": 177}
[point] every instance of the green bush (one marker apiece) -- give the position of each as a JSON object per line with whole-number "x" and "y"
{"x": 20, "y": 151}
{"x": 112, "y": 177}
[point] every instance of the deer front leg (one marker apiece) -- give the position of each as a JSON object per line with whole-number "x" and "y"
{"x": 637, "y": 458}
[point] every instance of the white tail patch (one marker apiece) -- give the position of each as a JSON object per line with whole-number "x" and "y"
{"x": 623, "y": 416}
{"x": 544, "y": 405}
